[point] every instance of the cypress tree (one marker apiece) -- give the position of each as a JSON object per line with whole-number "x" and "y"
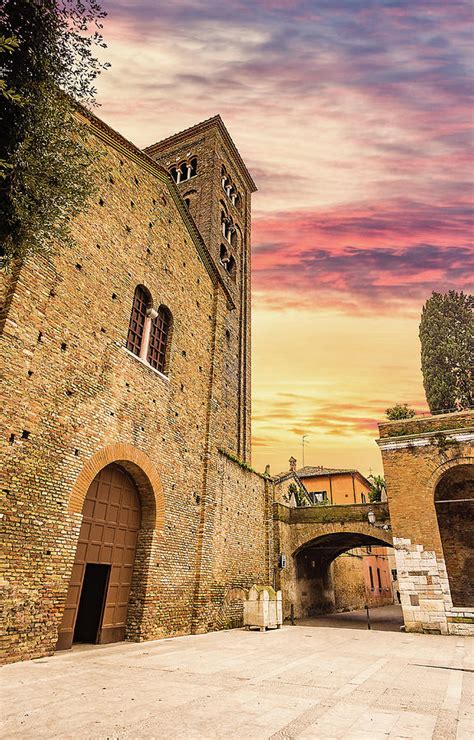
{"x": 447, "y": 351}
{"x": 52, "y": 69}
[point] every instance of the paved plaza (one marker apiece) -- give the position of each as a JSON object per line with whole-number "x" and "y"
{"x": 388, "y": 618}
{"x": 297, "y": 682}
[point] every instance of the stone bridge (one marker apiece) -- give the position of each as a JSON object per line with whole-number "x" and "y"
{"x": 311, "y": 538}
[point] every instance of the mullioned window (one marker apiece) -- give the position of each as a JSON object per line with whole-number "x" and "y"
{"x": 149, "y": 331}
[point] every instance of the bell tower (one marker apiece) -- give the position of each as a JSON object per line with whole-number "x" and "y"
{"x": 216, "y": 186}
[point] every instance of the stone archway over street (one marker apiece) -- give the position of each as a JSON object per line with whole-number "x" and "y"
{"x": 310, "y": 539}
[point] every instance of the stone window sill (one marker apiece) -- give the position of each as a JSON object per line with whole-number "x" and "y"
{"x": 146, "y": 364}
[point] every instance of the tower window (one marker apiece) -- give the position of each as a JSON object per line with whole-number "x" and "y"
{"x": 227, "y": 261}
{"x": 184, "y": 171}
{"x": 230, "y": 189}
{"x": 231, "y": 267}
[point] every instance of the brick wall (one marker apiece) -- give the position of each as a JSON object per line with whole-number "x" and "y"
{"x": 417, "y": 455}
{"x": 348, "y": 582}
{"x": 75, "y": 399}
{"x": 209, "y": 144}
{"x": 311, "y": 538}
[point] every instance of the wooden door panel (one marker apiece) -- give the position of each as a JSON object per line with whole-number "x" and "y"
{"x": 111, "y": 519}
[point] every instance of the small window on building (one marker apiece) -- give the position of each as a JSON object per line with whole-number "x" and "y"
{"x": 379, "y": 580}
{"x": 231, "y": 267}
{"x": 223, "y": 255}
{"x": 363, "y": 498}
{"x": 159, "y": 338}
{"x": 149, "y": 332}
{"x": 371, "y": 576}
{"x": 194, "y": 164}
{"x": 141, "y": 304}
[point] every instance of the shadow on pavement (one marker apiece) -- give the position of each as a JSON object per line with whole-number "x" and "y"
{"x": 382, "y": 618}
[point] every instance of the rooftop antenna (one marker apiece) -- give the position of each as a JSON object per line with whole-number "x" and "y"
{"x": 303, "y": 442}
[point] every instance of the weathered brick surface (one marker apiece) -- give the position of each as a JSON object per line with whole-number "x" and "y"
{"x": 76, "y": 400}
{"x": 208, "y": 142}
{"x": 419, "y": 455}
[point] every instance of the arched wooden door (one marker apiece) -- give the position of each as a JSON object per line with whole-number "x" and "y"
{"x": 99, "y": 589}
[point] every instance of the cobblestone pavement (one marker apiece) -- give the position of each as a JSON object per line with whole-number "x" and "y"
{"x": 297, "y": 682}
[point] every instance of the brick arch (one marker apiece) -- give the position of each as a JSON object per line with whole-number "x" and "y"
{"x": 309, "y": 534}
{"x": 143, "y": 472}
{"x": 443, "y": 468}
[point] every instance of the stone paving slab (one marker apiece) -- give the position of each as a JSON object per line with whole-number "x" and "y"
{"x": 298, "y": 682}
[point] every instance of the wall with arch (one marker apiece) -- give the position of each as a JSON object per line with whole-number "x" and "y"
{"x": 311, "y": 538}
{"x": 429, "y": 470}
{"x": 76, "y": 399}
{"x": 222, "y": 185}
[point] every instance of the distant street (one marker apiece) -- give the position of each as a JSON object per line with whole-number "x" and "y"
{"x": 387, "y": 618}
{"x": 296, "y": 682}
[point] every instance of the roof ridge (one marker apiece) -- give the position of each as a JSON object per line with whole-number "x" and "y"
{"x": 112, "y": 135}
{"x": 161, "y": 142}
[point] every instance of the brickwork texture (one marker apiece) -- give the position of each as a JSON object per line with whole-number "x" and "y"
{"x": 429, "y": 470}
{"x": 76, "y": 400}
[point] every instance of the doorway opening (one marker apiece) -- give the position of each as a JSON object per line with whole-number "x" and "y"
{"x": 91, "y": 604}
{"x": 101, "y": 579}
{"x": 454, "y": 502}
{"x": 338, "y": 575}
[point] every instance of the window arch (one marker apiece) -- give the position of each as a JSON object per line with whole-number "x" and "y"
{"x": 189, "y": 198}
{"x": 149, "y": 331}
{"x": 141, "y": 304}
{"x": 160, "y": 333}
{"x": 184, "y": 170}
{"x": 230, "y": 189}
{"x": 227, "y": 261}
{"x": 231, "y": 267}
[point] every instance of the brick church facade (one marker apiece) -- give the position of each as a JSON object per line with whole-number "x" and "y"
{"x": 131, "y": 511}
{"x": 130, "y": 507}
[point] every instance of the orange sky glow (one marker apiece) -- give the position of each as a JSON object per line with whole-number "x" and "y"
{"x": 355, "y": 121}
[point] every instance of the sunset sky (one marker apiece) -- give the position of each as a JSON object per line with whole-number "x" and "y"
{"x": 355, "y": 120}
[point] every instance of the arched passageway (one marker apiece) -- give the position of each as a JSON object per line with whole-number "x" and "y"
{"x": 454, "y": 502}
{"x": 315, "y": 588}
{"x": 99, "y": 589}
